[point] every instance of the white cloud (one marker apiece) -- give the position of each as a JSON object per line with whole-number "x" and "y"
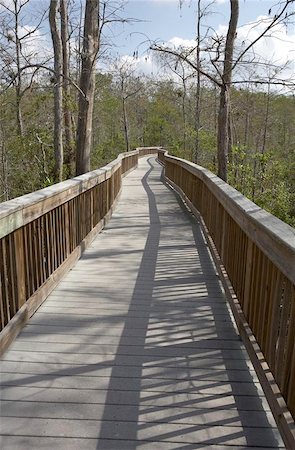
{"x": 36, "y": 45}
{"x": 178, "y": 42}
{"x": 276, "y": 49}
{"x": 143, "y": 64}
{"x": 278, "y": 45}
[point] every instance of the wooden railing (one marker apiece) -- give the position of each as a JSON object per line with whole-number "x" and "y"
{"x": 255, "y": 253}
{"x": 42, "y": 234}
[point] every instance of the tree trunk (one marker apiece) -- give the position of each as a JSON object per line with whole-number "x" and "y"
{"x": 87, "y": 86}
{"x": 18, "y": 81}
{"x": 125, "y": 122}
{"x": 198, "y": 92}
{"x": 69, "y": 156}
{"x": 266, "y": 118}
{"x": 58, "y": 94}
{"x": 224, "y": 102}
{"x": 5, "y": 194}
{"x": 184, "y": 114}
{"x": 222, "y": 134}
{"x": 263, "y": 148}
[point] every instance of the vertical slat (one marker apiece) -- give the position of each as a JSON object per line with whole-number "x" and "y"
{"x": 261, "y": 298}
{"x": 285, "y": 308}
{"x": 40, "y": 251}
{"x": 3, "y": 318}
{"x": 36, "y": 255}
{"x": 20, "y": 266}
{"x": 256, "y": 289}
{"x": 52, "y": 241}
{"x": 4, "y": 283}
{"x": 275, "y": 322}
{"x": 63, "y": 233}
{"x": 56, "y": 238}
{"x": 67, "y": 229}
{"x": 12, "y": 274}
{"x": 59, "y": 235}
{"x": 289, "y": 374}
{"x": 248, "y": 277}
{"x": 48, "y": 245}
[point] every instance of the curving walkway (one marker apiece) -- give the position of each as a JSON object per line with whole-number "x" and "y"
{"x": 136, "y": 348}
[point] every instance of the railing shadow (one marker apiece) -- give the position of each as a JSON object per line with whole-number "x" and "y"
{"x": 146, "y": 275}
{"x": 179, "y": 373}
{"x": 194, "y": 381}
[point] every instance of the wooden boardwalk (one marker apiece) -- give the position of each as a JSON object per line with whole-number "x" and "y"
{"x": 136, "y": 348}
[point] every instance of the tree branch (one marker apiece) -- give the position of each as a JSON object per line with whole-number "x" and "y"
{"x": 184, "y": 58}
{"x": 275, "y": 20}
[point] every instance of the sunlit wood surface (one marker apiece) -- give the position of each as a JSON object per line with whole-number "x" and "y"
{"x": 136, "y": 348}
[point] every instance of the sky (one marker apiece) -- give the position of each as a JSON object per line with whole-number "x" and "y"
{"x": 164, "y": 22}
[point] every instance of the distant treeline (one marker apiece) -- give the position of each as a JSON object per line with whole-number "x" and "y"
{"x": 134, "y": 111}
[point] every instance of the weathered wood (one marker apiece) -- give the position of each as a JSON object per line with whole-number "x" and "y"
{"x": 20, "y": 266}
{"x": 136, "y": 346}
{"x": 8, "y": 334}
{"x": 13, "y": 328}
{"x": 275, "y": 238}
{"x": 18, "y": 212}
{"x": 255, "y": 279}
{"x": 54, "y": 221}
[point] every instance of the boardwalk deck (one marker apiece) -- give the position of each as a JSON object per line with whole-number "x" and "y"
{"x": 136, "y": 348}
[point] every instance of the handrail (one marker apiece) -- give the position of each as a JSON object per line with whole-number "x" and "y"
{"x": 256, "y": 255}
{"x": 42, "y": 234}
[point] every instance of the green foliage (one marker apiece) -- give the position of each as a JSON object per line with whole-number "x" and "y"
{"x": 262, "y": 161}
{"x": 264, "y": 179}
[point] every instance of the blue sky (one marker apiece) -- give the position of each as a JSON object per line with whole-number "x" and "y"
{"x": 163, "y": 20}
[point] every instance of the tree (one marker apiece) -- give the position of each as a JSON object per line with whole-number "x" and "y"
{"x": 223, "y": 60}
{"x": 224, "y": 128}
{"x": 68, "y": 131}
{"x": 198, "y": 91}
{"x": 129, "y": 86}
{"x": 58, "y": 90}
{"x": 15, "y": 53}
{"x": 87, "y": 86}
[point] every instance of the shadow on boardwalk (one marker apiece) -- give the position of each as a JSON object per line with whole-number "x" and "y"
{"x": 199, "y": 388}
{"x": 136, "y": 348}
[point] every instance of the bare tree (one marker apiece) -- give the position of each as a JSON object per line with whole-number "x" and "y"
{"x": 58, "y": 89}
{"x": 179, "y": 69}
{"x": 224, "y": 61}
{"x": 198, "y": 91}
{"x": 14, "y": 52}
{"x": 224, "y": 99}
{"x": 129, "y": 86}
{"x": 87, "y": 86}
{"x": 68, "y": 151}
